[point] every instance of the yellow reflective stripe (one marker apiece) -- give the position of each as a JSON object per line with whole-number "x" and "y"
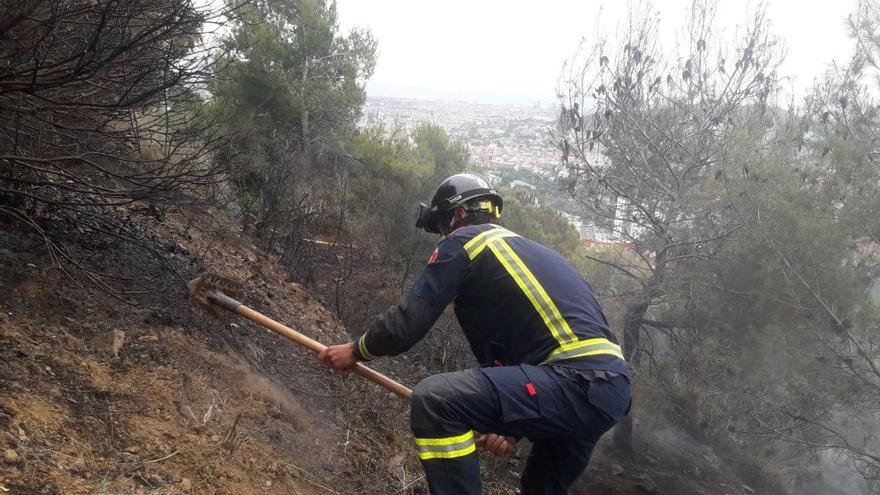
{"x": 577, "y": 354}
{"x": 474, "y": 249}
{"x": 550, "y": 304}
{"x": 501, "y": 233}
{"x": 617, "y": 354}
{"x": 588, "y": 342}
{"x": 533, "y": 291}
{"x": 589, "y": 347}
{"x": 448, "y": 455}
{"x": 446, "y": 448}
{"x": 479, "y": 237}
{"x": 362, "y": 346}
{"x": 447, "y": 440}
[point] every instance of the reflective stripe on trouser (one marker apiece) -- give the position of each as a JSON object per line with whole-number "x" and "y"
{"x": 446, "y": 447}
{"x": 560, "y": 419}
{"x": 448, "y": 456}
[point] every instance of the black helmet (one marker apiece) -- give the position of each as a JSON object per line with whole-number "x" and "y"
{"x": 457, "y": 190}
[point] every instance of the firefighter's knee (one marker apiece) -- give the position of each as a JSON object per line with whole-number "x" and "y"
{"x": 432, "y": 401}
{"x": 428, "y": 401}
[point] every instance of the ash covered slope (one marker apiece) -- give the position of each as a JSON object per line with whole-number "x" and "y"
{"x": 100, "y": 396}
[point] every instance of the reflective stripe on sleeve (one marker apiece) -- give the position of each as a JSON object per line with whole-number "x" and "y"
{"x": 447, "y": 447}
{"x": 362, "y": 347}
{"x": 589, "y": 347}
{"x": 534, "y": 292}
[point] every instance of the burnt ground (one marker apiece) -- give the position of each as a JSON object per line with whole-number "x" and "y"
{"x": 184, "y": 403}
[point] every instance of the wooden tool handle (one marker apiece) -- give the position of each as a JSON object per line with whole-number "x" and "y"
{"x": 312, "y": 344}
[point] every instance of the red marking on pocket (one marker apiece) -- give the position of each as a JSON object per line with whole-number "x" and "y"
{"x": 531, "y": 389}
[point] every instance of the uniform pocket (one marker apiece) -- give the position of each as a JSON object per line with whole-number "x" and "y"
{"x": 545, "y": 389}
{"x": 610, "y": 397}
{"x": 525, "y": 392}
{"x": 512, "y": 386}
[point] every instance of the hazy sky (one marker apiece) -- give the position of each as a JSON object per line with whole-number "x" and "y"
{"x": 512, "y": 50}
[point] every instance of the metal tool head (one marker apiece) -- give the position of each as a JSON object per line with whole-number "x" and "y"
{"x": 206, "y": 289}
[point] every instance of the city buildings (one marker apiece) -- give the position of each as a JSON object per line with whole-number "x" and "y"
{"x": 501, "y": 139}
{"x": 498, "y": 136}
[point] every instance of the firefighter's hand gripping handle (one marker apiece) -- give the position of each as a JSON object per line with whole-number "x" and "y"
{"x": 222, "y": 300}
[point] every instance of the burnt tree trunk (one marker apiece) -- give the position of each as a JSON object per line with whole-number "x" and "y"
{"x": 632, "y": 328}
{"x": 631, "y": 336}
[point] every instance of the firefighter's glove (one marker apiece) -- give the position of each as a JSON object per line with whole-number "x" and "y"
{"x": 339, "y": 357}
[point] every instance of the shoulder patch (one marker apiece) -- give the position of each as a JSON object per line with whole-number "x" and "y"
{"x": 434, "y": 255}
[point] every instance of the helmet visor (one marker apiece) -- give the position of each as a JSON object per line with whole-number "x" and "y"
{"x": 429, "y": 219}
{"x": 426, "y": 219}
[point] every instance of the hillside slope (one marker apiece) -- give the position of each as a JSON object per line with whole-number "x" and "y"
{"x": 179, "y": 403}
{"x": 102, "y": 396}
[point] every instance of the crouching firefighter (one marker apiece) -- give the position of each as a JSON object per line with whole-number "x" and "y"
{"x": 551, "y": 370}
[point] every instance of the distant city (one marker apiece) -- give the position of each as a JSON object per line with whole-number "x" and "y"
{"x": 511, "y": 143}
{"x": 498, "y": 136}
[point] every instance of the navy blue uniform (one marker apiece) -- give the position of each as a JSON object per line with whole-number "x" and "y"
{"x": 552, "y": 370}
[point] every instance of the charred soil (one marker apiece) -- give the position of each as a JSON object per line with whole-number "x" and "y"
{"x": 127, "y": 388}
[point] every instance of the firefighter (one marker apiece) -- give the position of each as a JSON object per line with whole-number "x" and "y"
{"x": 550, "y": 369}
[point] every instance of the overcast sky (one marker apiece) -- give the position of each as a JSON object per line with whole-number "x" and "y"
{"x": 511, "y": 51}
